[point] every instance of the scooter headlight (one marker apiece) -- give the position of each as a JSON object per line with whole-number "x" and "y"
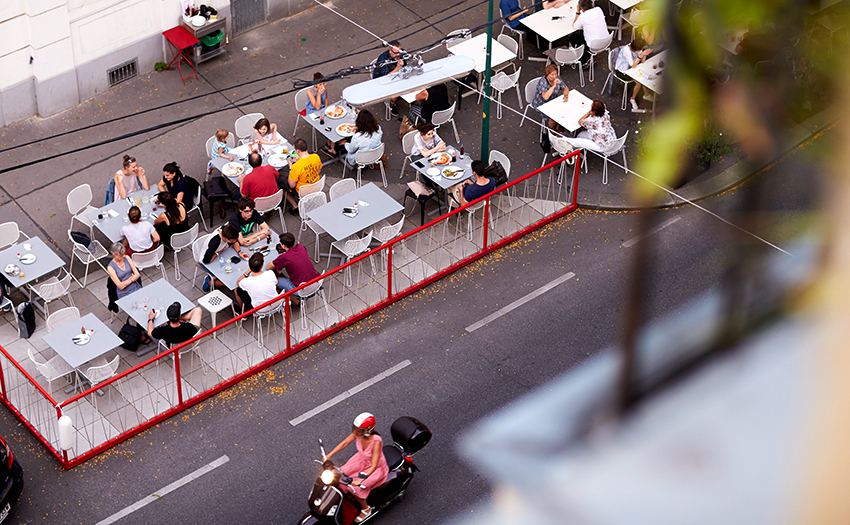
{"x": 327, "y": 477}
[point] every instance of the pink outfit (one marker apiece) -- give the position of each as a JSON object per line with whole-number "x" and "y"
{"x": 362, "y": 462}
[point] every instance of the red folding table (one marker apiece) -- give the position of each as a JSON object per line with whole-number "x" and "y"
{"x": 181, "y": 41}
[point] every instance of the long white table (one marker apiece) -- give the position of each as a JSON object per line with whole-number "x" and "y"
{"x": 567, "y": 113}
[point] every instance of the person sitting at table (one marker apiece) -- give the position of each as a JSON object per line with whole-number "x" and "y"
{"x": 219, "y": 147}
{"x": 257, "y": 285}
{"x": 122, "y": 271}
{"x": 429, "y": 100}
{"x": 228, "y": 237}
{"x": 427, "y": 142}
{"x": 179, "y": 328}
{"x": 245, "y": 219}
{"x": 129, "y": 179}
{"x": 266, "y": 133}
{"x": 296, "y": 261}
{"x": 387, "y": 63}
{"x": 261, "y": 181}
{"x": 590, "y": 25}
{"x": 139, "y": 236}
{"x": 172, "y": 220}
{"x": 174, "y": 183}
{"x": 549, "y": 87}
{"x": 629, "y": 56}
{"x": 481, "y": 187}
{"x": 554, "y": 3}
{"x": 597, "y": 126}
{"x": 513, "y": 13}
{"x": 304, "y": 170}
{"x": 317, "y": 100}
{"x": 368, "y": 135}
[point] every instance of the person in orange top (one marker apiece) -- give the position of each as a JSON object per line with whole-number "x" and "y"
{"x": 304, "y": 170}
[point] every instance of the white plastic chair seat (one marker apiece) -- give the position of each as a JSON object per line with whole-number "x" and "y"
{"x": 308, "y": 204}
{"x": 511, "y": 45}
{"x": 60, "y": 318}
{"x": 439, "y": 118}
{"x": 407, "y": 142}
{"x": 51, "y": 369}
{"x": 181, "y": 241}
{"x": 79, "y": 200}
{"x": 530, "y": 91}
{"x": 501, "y": 83}
{"x": 569, "y": 56}
{"x": 102, "y": 371}
{"x": 10, "y": 233}
{"x": 52, "y": 289}
{"x": 595, "y": 47}
{"x": 353, "y": 247}
{"x": 341, "y": 188}
{"x": 384, "y": 233}
{"x": 308, "y": 292}
{"x": 151, "y": 259}
{"x": 609, "y": 80}
{"x": 271, "y": 203}
{"x": 367, "y": 158}
{"x": 199, "y": 247}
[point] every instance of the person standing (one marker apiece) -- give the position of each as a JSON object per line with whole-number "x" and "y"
{"x": 261, "y": 181}
{"x": 304, "y": 170}
{"x": 296, "y": 261}
{"x": 256, "y": 286}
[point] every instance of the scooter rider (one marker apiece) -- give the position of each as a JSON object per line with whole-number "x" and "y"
{"x": 368, "y": 466}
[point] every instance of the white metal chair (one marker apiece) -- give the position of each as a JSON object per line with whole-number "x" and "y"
{"x": 520, "y": 35}
{"x": 367, "y": 158}
{"x": 266, "y": 313}
{"x": 308, "y": 204}
{"x": 407, "y": 142}
{"x": 612, "y": 148}
{"x": 101, "y": 371}
{"x": 612, "y": 61}
{"x": 560, "y": 147}
{"x": 79, "y": 200}
{"x": 301, "y": 101}
{"x": 199, "y": 247}
{"x": 50, "y": 370}
{"x": 60, "y": 318}
{"x": 530, "y": 91}
{"x": 441, "y": 117}
{"x": 595, "y": 47}
{"x": 271, "y": 203}
{"x": 52, "y": 289}
{"x": 10, "y": 233}
{"x": 351, "y": 248}
{"x": 308, "y": 292}
{"x": 465, "y": 34}
{"x": 307, "y": 189}
{"x": 245, "y": 126}
{"x": 570, "y": 56}
{"x": 181, "y": 241}
{"x": 86, "y": 257}
{"x": 151, "y": 259}
{"x": 469, "y": 213}
{"x": 162, "y": 346}
{"x": 633, "y": 19}
{"x": 385, "y": 233}
{"x": 512, "y": 46}
{"x": 501, "y": 83}
{"x": 196, "y": 206}
{"x": 341, "y": 188}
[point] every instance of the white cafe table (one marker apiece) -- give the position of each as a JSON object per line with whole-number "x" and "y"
{"x": 45, "y": 262}
{"x": 102, "y": 341}
{"x": 649, "y": 74}
{"x": 110, "y": 224}
{"x": 551, "y": 30}
{"x": 476, "y": 49}
{"x": 567, "y": 113}
{"x": 159, "y": 294}
{"x": 379, "y": 206}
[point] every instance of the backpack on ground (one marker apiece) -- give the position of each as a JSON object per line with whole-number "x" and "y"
{"x": 26, "y": 320}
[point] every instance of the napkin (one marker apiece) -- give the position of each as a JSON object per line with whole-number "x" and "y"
{"x": 113, "y": 213}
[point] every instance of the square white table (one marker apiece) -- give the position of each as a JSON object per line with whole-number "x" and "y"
{"x": 102, "y": 341}
{"x": 45, "y": 261}
{"x": 567, "y": 113}
{"x": 330, "y": 218}
{"x": 239, "y": 268}
{"x": 111, "y": 226}
{"x": 476, "y": 49}
{"x": 157, "y": 292}
{"x": 551, "y": 30}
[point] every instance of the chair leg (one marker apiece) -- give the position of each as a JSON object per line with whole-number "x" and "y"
{"x": 523, "y": 116}
{"x": 359, "y": 180}
{"x": 383, "y": 173}
{"x": 499, "y": 105}
{"x": 605, "y": 170}
{"x": 297, "y": 120}
{"x": 581, "y": 74}
{"x": 315, "y": 147}
{"x": 176, "y": 268}
{"x": 457, "y": 137}
{"x": 403, "y": 165}
{"x": 280, "y": 213}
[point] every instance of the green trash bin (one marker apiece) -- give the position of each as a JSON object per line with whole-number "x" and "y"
{"x": 212, "y": 39}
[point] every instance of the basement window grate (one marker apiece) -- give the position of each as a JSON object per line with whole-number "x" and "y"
{"x": 125, "y": 71}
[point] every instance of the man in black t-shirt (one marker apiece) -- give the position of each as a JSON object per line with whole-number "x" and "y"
{"x": 245, "y": 219}
{"x": 179, "y": 328}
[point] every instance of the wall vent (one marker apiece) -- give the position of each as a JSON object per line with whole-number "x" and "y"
{"x": 125, "y": 71}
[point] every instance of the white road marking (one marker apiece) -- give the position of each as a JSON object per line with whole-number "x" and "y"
{"x": 348, "y": 393}
{"x": 165, "y": 490}
{"x": 519, "y": 302}
{"x": 635, "y": 240}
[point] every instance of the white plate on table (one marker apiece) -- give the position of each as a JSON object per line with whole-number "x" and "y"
{"x": 12, "y": 269}
{"x": 81, "y": 339}
{"x": 232, "y": 169}
{"x": 346, "y": 130}
{"x": 198, "y": 21}
{"x": 278, "y": 160}
{"x": 433, "y": 172}
{"x": 334, "y": 111}
{"x": 28, "y": 258}
{"x": 452, "y": 172}
{"x": 440, "y": 159}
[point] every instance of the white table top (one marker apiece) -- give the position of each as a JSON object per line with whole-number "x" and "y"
{"x": 111, "y": 226}
{"x": 339, "y": 226}
{"x": 102, "y": 340}
{"x": 422, "y": 165}
{"x": 377, "y": 89}
{"x": 46, "y": 261}
{"x": 239, "y": 268}
{"x": 476, "y": 49}
{"x": 567, "y": 113}
{"x": 156, "y": 292}
{"x": 328, "y": 129}
{"x": 648, "y": 76}
{"x": 240, "y": 156}
{"x": 625, "y": 4}
{"x": 541, "y": 22}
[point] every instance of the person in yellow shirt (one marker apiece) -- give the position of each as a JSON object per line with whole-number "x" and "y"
{"x": 304, "y": 170}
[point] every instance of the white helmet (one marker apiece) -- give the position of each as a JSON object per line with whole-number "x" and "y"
{"x": 365, "y": 422}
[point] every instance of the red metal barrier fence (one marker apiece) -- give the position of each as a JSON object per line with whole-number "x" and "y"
{"x": 174, "y": 380}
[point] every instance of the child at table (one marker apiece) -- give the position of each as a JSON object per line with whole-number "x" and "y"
{"x": 219, "y": 148}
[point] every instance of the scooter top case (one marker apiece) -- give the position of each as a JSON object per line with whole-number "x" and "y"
{"x": 410, "y": 434}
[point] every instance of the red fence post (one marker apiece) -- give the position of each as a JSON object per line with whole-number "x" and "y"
{"x": 177, "y": 374}
{"x": 390, "y": 272}
{"x": 287, "y": 319}
{"x": 3, "y": 382}
{"x": 486, "y": 224}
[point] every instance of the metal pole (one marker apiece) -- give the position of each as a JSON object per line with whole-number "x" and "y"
{"x": 485, "y": 122}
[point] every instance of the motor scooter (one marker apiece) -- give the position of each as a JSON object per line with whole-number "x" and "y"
{"x": 330, "y": 505}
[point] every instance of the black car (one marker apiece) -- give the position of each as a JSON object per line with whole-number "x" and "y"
{"x": 13, "y": 479}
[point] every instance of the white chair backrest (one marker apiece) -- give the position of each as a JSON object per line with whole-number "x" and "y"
{"x": 390, "y": 232}
{"x": 148, "y": 259}
{"x": 559, "y": 143}
{"x": 98, "y": 374}
{"x": 615, "y": 145}
{"x": 600, "y": 43}
{"x": 54, "y": 290}
{"x": 364, "y": 158}
{"x": 459, "y": 39}
{"x": 231, "y": 142}
{"x": 9, "y": 233}
{"x": 301, "y": 99}
{"x": 309, "y": 290}
{"x": 79, "y": 198}
{"x": 183, "y": 239}
{"x": 245, "y": 124}
{"x": 408, "y": 139}
{"x": 357, "y": 246}
{"x": 199, "y": 247}
{"x": 42, "y": 368}
{"x": 531, "y": 89}
{"x": 311, "y": 202}
{"x": 564, "y": 55}
{"x": 210, "y": 142}
{"x": 264, "y": 204}
{"x": 503, "y": 160}
{"x": 62, "y": 317}
{"x": 346, "y": 185}
{"x": 439, "y": 117}
{"x": 509, "y": 43}
{"x": 307, "y": 189}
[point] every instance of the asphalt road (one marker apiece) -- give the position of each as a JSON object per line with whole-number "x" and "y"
{"x": 454, "y": 378}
